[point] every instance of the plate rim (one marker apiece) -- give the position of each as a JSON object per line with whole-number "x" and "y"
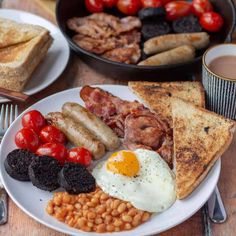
{"x": 217, "y": 165}
{"x": 37, "y": 89}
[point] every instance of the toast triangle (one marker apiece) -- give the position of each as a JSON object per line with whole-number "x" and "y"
{"x": 17, "y": 62}
{"x": 156, "y": 95}
{"x": 12, "y": 32}
{"x": 200, "y": 138}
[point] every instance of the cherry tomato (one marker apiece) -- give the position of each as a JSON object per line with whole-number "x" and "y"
{"x": 94, "y": 6}
{"x": 56, "y": 150}
{"x": 109, "y": 3}
{"x": 51, "y": 134}
{"x": 33, "y": 120}
{"x": 201, "y": 6}
{"x": 27, "y": 139}
{"x": 129, "y": 7}
{"x": 151, "y": 3}
{"x": 177, "y": 9}
{"x": 211, "y": 21}
{"x": 164, "y": 2}
{"x": 79, "y": 155}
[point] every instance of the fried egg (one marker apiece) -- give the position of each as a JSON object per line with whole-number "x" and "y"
{"x": 141, "y": 177}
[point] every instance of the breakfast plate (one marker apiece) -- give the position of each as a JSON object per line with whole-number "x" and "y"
{"x": 33, "y": 201}
{"x": 56, "y": 59}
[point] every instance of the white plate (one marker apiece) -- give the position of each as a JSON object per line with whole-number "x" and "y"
{"x": 56, "y": 59}
{"x": 33, "y": 201}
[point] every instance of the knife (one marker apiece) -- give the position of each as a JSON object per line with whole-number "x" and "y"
{"x": 216, "y": 209}
{"x": 3, "y": 205}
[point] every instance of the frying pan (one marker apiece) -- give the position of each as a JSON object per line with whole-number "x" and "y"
{"x": 67, "y": 9}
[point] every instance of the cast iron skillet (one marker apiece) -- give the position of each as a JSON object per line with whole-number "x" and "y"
{"x": 70, "y": 8}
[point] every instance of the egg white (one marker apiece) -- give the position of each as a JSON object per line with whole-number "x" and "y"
{"x": 152, "y": 190}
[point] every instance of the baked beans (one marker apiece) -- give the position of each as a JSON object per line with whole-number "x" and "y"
{"x": 96, "y": 211}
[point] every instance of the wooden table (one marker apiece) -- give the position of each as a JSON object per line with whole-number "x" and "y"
{"x": 78, "y": 74}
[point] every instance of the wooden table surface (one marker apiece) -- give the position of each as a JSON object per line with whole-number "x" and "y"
{"x": 78, "y": 74}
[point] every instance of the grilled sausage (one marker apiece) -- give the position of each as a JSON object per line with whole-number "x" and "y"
{"x": 76, "y": 133}
{"x": 94, "y": 124}
{"x": 174, "y": 56}
{"x": 170, "y": 41}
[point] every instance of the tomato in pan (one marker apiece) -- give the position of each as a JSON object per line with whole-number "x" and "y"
{"x": 129, "y": 7}
{"x": 177, "y": 9}
{"x": 211, "y": 21}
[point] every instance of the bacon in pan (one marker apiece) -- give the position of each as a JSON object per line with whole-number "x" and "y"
{"x": 102, "y": 25}
{"x": 109, "y": 36}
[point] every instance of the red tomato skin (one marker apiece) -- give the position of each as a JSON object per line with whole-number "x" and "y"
{"x": 151, "y": 3}
{"x": 94, "y": 6}
{"x": 129, "y": 7}
{"x": 51, "y": 134}
{"x": 79, "y": 155}
{"x": 177, "y": 9}
{"x": 201, "y": 6}
{"x": 27, "y": 139}
{"x": 33, "y": 120}
{"x": 109, "y": 3}
{"x": 211, "y": 21}
{"x": 55, "y": 150}
{"x": 164, "y": 2}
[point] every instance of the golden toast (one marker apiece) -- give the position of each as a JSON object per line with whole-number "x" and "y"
{"x": 12, "y": 32}
{"x": 156, "y": 95}
{"x": 200, "y": 138}
{"x": 20, "y": 55}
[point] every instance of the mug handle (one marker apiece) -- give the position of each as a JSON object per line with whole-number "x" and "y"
{"x": 229, "y": 37}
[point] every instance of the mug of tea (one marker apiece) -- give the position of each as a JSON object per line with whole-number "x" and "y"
{"x": 219, "y": 79}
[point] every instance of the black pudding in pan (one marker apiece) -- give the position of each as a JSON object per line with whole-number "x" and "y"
{"x": 75, "y": 179}
{"x": 152, "y": 28}
{"x": 17, "y": 163}
{"x": 187, "y": 24}
{"x": 43, "y": 173}
{"x": 151, "y": 13}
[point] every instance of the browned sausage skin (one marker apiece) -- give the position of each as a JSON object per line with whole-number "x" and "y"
{"x": 76, "y": 133}
{"x": 94, "y": 124}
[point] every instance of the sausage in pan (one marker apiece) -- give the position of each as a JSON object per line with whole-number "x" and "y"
{"x": 170, "y": 41}
{"x": 174, "y": 56}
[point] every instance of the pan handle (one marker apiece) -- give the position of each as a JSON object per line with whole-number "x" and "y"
{"x": 229, "y": 37}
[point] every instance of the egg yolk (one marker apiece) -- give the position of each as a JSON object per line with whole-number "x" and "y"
{"x": 124, "y": 163}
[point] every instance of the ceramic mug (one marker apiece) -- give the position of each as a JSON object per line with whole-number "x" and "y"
{"x": 220, "y": 91}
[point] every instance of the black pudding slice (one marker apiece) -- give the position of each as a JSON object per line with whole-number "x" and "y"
{"x": 152, "y": 28}
{"x": 17, "y": 163}
{"x": 151, "y": 12}
{"x": 43, "y": 173}
{"x": 187, "y": 24}
{"x": 75, "y": 179}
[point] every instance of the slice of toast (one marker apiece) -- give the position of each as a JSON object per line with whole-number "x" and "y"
{"x": 18, "y": 62}
{"x": 200, "y": 138}
{"x": 12, "y": 32}
{"x": 156, "y": 95}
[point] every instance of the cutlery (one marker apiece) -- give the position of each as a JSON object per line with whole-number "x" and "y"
{"x": 8, "y": 114}
{"x": 216, "y": 209}
{"x": 13, "y": 95}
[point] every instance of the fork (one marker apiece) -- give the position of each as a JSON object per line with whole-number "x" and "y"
{"x": 8, "y": 114}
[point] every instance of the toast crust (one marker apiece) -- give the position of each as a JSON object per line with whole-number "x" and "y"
{"x": 195, "y": 147}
